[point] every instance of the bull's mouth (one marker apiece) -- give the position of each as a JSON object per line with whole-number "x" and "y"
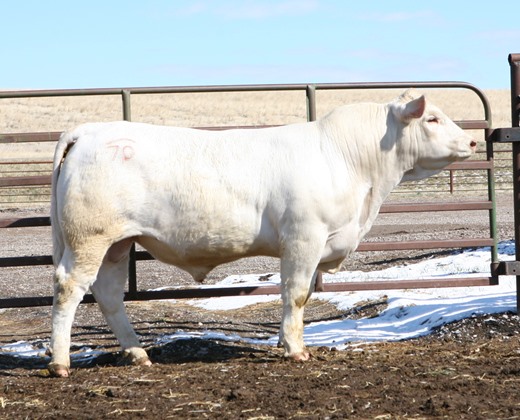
{"x": 466, "y": 153}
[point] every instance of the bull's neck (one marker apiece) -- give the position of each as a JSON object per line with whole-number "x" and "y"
{"x": 372, "y": 147}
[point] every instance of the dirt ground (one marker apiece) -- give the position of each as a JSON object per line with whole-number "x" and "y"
{"x": 466, "y": 370}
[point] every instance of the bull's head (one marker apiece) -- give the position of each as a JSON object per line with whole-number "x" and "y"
{"x": 434, "y": 139}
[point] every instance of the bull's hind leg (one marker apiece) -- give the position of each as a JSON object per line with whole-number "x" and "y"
{"x": 108, "y": 291}
{"x": 75, "y": 273}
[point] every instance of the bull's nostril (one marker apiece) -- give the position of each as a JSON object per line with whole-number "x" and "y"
{"x": 473, "y": 144}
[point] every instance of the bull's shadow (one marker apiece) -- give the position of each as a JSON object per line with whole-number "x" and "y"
{"x": 204, "y": 350}
{"x": 186, "y": 350}
{"x": 189, "y": 350}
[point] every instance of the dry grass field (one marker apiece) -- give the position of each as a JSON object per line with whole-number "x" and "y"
{"x": 222, "y": 109}
{"x": 20, "y": 115}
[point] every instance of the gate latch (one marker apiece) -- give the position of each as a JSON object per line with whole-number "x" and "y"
{"x": 505, "y": 135}
{"x": 505, "y": 268}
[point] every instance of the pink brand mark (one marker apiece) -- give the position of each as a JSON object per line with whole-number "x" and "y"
{"x": 122, "y": 149}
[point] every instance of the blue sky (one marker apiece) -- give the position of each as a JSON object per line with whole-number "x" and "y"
{"x": 75, "y": 44}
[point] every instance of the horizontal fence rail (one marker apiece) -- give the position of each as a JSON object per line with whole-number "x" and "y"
{"x": 488, "y": 204}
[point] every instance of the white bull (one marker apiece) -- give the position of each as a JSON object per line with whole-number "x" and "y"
{"x": 306, "y": 193}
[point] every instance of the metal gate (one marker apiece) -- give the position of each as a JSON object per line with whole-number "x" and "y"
{"x": 133, "y": 293}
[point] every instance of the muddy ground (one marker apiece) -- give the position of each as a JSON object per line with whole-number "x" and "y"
{"x": 469, "y": 369}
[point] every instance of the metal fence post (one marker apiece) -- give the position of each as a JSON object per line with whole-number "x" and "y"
{"x": 514, "y": 62}
{"x": 512, "y": 135}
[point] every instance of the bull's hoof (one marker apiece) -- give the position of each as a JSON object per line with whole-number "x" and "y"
{"x": 59, "y": 371}
{"x": 137, "y": 357}
{"x": 299, "y": 357}
{"x": 143, "y": 361}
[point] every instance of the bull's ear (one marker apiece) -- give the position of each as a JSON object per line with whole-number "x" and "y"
{"x": 412, "y": 109}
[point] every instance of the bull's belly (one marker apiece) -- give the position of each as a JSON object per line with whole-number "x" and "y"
{"x": 199, "y": 252}
{"x": 199, "y": 260}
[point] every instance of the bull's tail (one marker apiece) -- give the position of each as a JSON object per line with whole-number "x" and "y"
{"x": 65, "y": 142}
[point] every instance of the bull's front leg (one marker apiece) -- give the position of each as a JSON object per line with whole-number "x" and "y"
{"x": 298, "y": 274}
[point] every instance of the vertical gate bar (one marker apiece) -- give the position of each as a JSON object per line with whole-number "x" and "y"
{"x": 127, "y": 113}
{"x": 310, "y": 92}
{"x": 514, "y": 62}
{"x": 493, "y": 232}
{"x": 132, "y": 268}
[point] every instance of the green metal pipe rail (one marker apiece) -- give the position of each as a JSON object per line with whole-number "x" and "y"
{"x": 310, "y": 90}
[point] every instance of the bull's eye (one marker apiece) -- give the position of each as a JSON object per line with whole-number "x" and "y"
{"x": 433, "y": 119}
